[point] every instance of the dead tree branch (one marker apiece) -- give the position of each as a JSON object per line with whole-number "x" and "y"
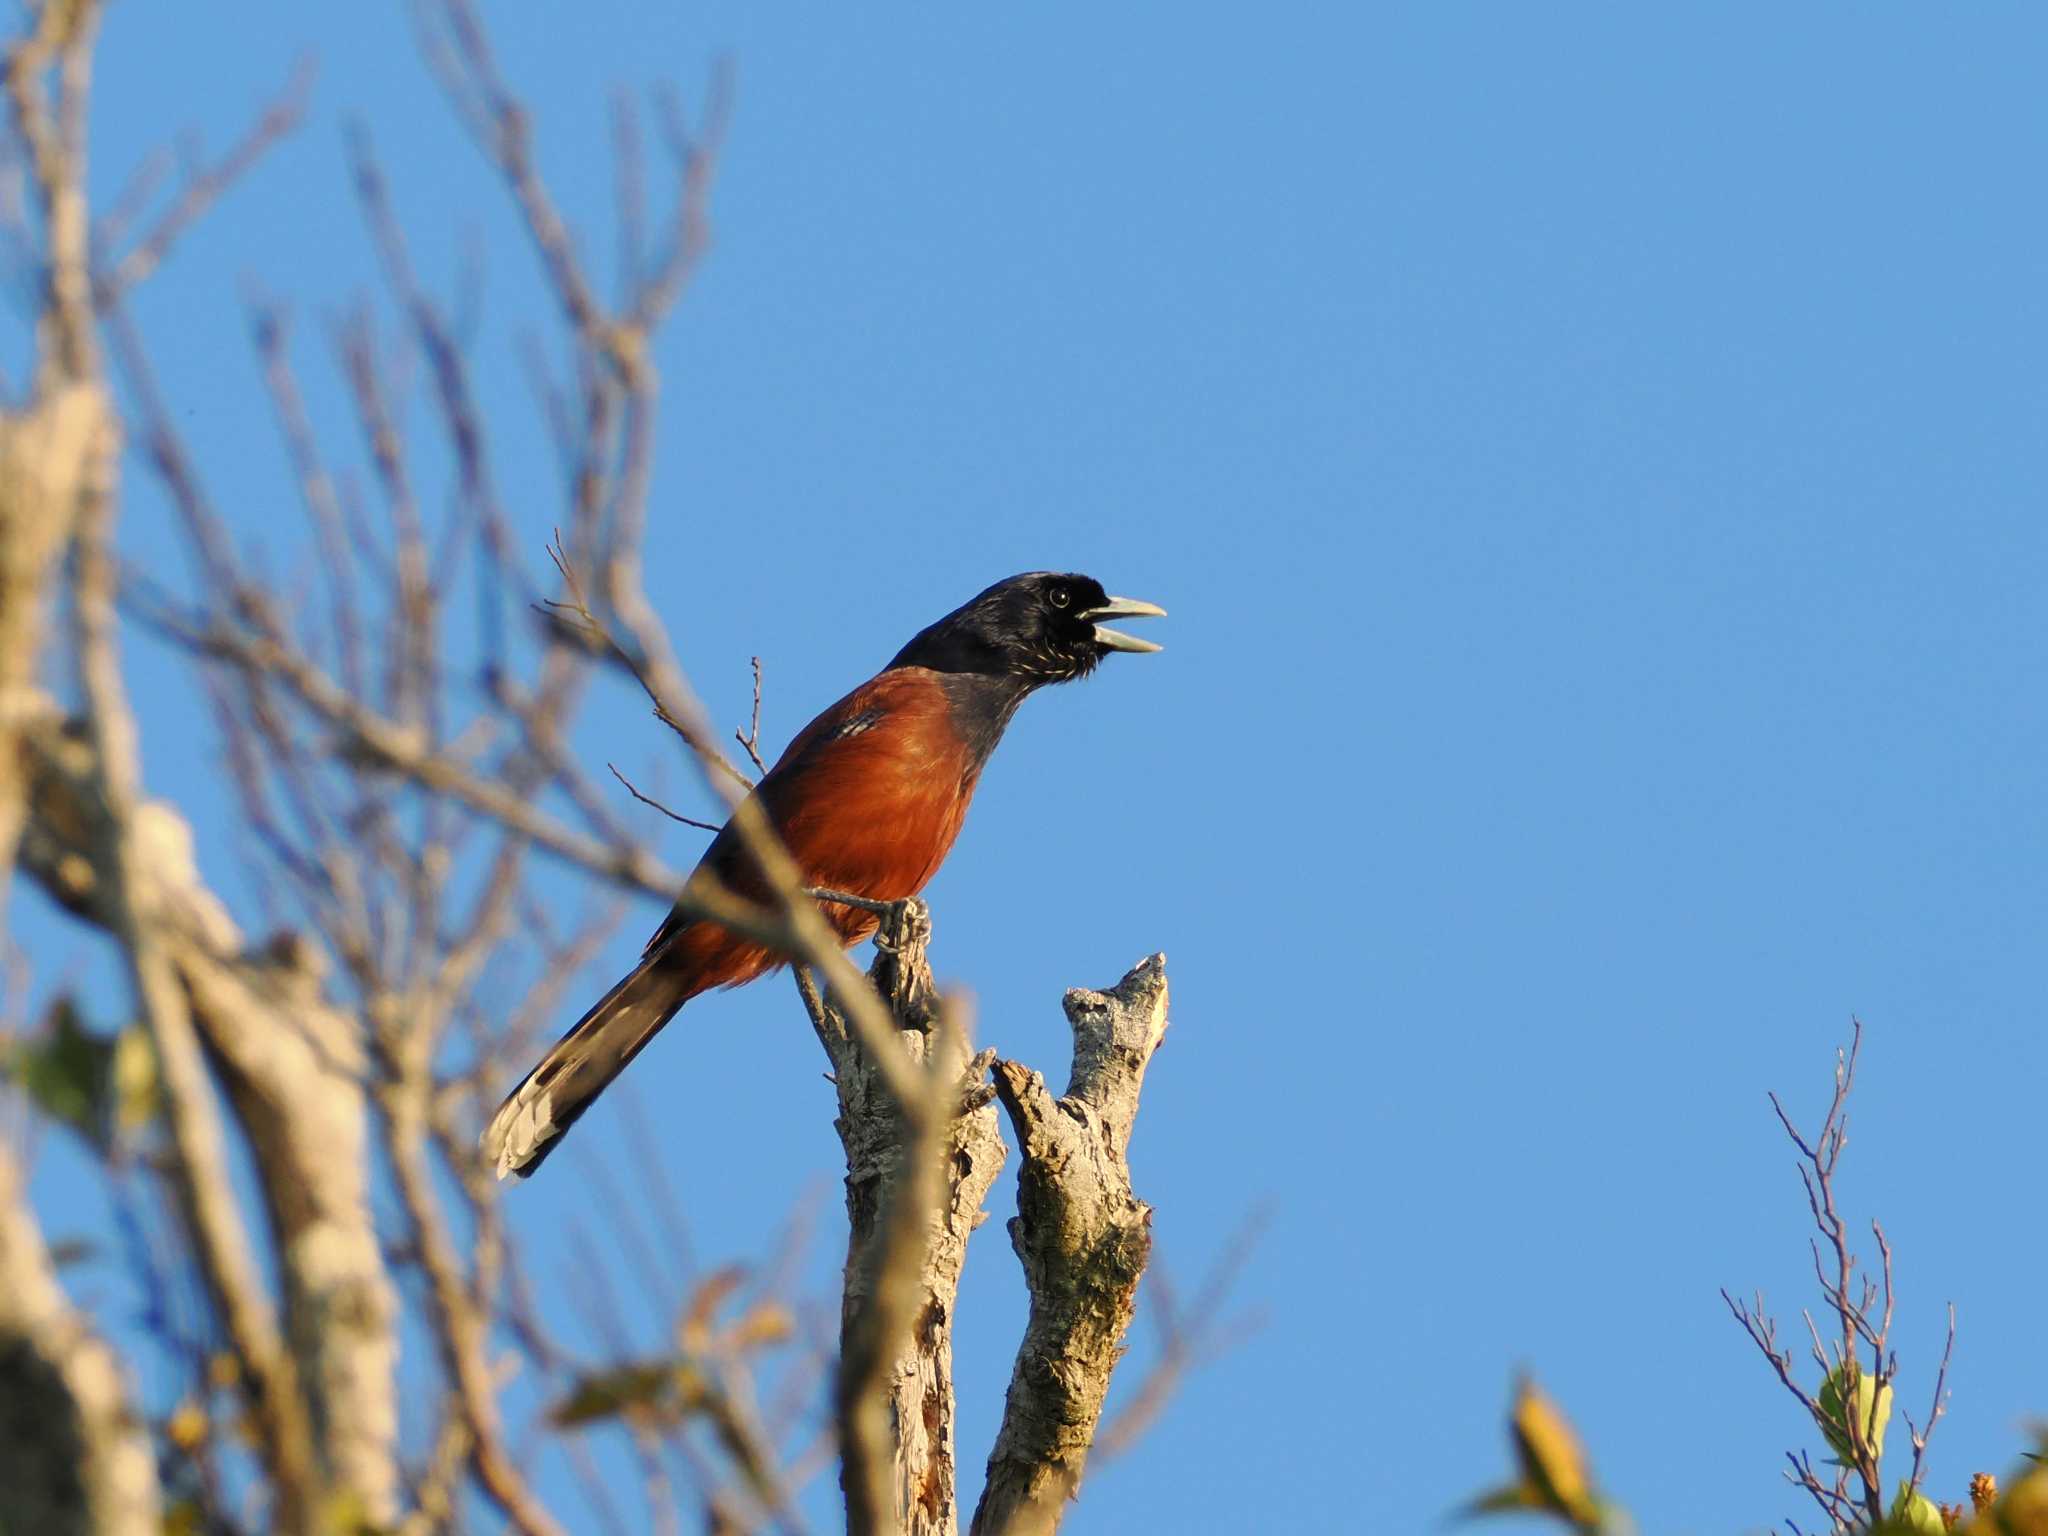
{"x": 74, "y": 1459}
{"x": 914, "y": 1191}
{"x": 227, "y": 1256}
{"x": 1083, "y": 1238}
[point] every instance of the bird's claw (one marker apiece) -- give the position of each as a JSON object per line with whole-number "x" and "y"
{"x": 907, "y": 923}
{"x": 900, "y": 972}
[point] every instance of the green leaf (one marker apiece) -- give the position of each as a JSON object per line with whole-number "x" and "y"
{"x": 1836, "y": 1427}
{"x": 1912, "y": 1510}
{"x": 64, "y": 1069}
{"x": 104, "y": 1087}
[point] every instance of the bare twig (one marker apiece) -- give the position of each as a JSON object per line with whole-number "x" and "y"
{"x": 226, "y": 1254}
{"x": 1763, "y": 1332}
{"x": 1922, "y": 1433}
{"x": 203, "y": 188}
{"x": 316, "y": 486}
{"x": 460, "y": 53}
{"x": 383, "y": 742}
{"x": 53, "y": 133}
{"x": 459, "y": 1323}
{"x": 631, "y": 789}
{"x": 751, "y": 740}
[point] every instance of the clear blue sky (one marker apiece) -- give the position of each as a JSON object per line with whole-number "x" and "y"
{"x": 1594, "y": 459}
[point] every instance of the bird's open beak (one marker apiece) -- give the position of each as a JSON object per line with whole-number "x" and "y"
{"x": 1123, "y": 608}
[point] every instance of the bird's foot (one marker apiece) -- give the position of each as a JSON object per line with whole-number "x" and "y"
{"x": 901, "y": 973}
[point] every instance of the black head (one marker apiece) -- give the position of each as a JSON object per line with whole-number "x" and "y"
{"x": 1042, "y": 627}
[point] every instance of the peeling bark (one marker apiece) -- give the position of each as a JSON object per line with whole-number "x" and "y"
{"x": 73, "y": 1458}
{"x": 43, "y": 454}
{"x": 919, "y": 1380}
{"x": 1083, "y": 1238}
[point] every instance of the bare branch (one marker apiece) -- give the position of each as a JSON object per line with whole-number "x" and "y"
{"x": 460, "y": 53}
{"x": 91, "y": 1468}
{"x": 54, "y": 135}
{"x": 226, "y": 1256}
{"x": 1763, "y": 1332}
{"x": 384, "y": 742}
{"x": 459, "y": 1322}
{"x": 751, "y": 741}
{"x": 688, "y": 821}
{"x": 203, "y": 188}
{"x": 1922, "y": 1433}
{"x": 914, "y": 1190}
{"x": 1083, "y": 1238}
{"x": 696, "y": 157}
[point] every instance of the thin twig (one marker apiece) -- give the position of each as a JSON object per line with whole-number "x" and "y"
{"x": 631, "y": 789}
{"x": 1923, "y": 1433}
{"x": 1763, "y": 1332}
{"x": 751, "y": 741}
{"x": 203, "y": 188}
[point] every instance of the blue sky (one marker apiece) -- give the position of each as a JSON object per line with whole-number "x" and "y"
{"x": 1593, "y": 458}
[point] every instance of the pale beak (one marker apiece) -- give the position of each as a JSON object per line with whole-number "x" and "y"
{"x": 1122, "y": 608}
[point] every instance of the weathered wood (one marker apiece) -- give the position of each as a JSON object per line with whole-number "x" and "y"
{"x": 922, "y": 1497}
{"x": 1083, "y": 1238}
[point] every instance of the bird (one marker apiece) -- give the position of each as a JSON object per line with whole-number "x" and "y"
{"x": 868, "y": 798}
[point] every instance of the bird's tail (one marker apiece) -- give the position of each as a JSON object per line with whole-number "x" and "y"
{"x": 582, "y": 1064}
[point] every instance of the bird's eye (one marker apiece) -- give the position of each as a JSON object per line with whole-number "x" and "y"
{"x": 1059, "y": 597}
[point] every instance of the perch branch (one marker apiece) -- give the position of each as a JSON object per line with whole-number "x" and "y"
{"x": 915, "y": 1184}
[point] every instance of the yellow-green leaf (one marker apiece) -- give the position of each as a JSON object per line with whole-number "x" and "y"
{"x": 1548, "y": 1449}
{"x": 1912, "y": 1510}
{"x": 1553, "y": 1475}
{"x": 1873, "y": 1411}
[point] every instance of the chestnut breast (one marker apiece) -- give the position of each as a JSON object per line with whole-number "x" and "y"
{"x": 868, "y": 798}
{"x": 871, "y": 795}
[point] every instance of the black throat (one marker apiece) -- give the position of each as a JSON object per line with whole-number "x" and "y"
{"x": 981, "y": 704}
